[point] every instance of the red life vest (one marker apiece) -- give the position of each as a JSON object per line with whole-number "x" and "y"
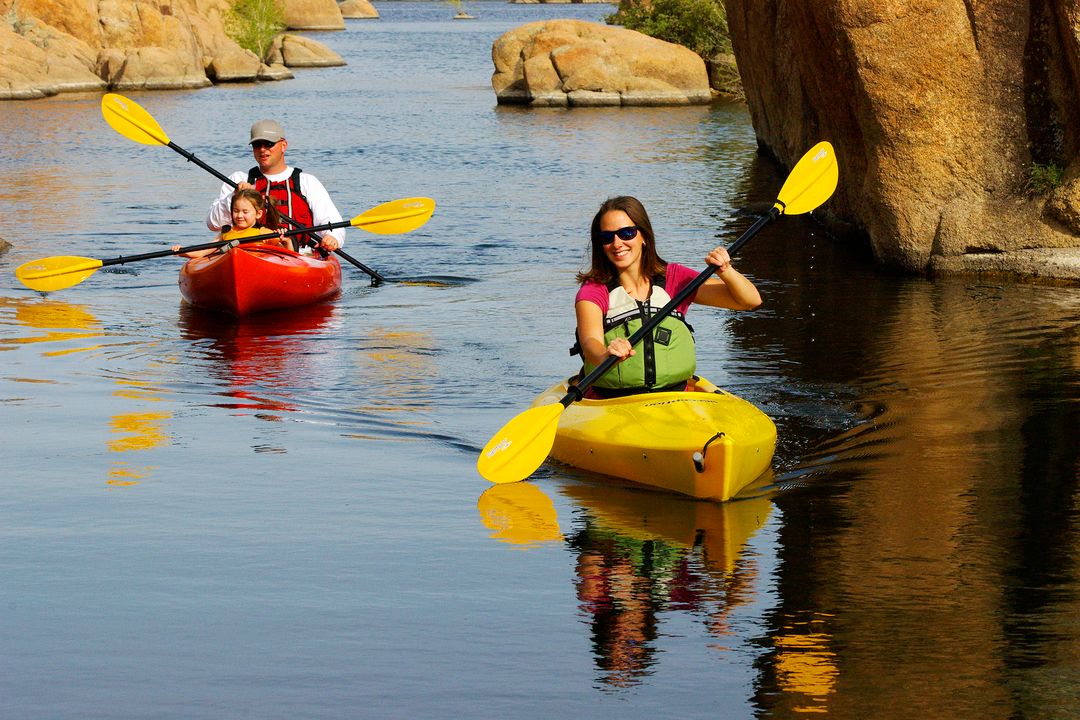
{"x": 288, "y": 199}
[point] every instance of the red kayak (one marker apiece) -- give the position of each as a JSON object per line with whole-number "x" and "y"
{"x": 254, "y": 278}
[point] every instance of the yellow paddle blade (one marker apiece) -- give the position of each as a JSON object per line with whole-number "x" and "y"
{"x": 521, "y": 445}
{"x": 130, "y": 120}
{"x": 56, "y": 273}
{"x": 811, "y": 181}
{"x": 396, "y": 216}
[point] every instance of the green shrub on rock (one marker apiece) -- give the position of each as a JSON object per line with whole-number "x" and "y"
{"x": 700, "y": 25}
{"x": 254, "y": 24}
{"x": 1044, "y": 179}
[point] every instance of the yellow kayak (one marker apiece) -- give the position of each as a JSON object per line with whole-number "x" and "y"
{"x": 703, "y": 442}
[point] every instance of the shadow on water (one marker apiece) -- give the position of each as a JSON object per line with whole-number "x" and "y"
{"x": 438, "y": 281}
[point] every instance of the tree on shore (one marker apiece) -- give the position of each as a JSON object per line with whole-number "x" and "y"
{"x": 254, "y": 24}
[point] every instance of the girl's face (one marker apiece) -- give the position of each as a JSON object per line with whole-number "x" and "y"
{"x": 622, "y": 253}
{"x": 244, "y": 214}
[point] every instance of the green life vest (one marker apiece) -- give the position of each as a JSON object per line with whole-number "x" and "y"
{"x": 663, "y": 358}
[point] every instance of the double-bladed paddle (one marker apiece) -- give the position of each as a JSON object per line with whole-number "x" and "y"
{"x": 128, "y": 118}
{"x": 56, "y": 273}
{"x": 521, "y": 445}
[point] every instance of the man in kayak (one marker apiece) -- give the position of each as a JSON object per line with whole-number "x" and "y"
{"x": 293, "y": 192}
{"x": 627, "y": 283}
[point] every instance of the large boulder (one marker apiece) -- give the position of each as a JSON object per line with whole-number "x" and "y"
{"x": 313, "y": 15}
{"x": 574, "y": 62}
{"x": 938, "y": 109}
{"x": 358, "y": 10}
{"x": 298, "y": 51}
{"x": 241, "y": 66}
{"x": 150, "y": 68}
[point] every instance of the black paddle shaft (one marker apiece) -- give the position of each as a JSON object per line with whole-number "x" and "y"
{"x": 376, "y": 278}
{"x": 576, "y": 391}
{"x": 218, "y": 243}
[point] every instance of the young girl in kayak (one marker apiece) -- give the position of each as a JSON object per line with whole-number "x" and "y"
{"x": 627, "y": 283}
{"x": 251, "y": 215}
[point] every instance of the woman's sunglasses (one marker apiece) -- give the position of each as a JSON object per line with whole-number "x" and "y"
{"x": 607, "y": 237}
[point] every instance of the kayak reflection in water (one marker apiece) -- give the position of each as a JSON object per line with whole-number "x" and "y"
{"x": 628, "y": 282}
{"x": 626, "y": 584}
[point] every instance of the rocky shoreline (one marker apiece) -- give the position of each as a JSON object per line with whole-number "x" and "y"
{"x": 53, "y": 46}
{"x": 935, "y": 133}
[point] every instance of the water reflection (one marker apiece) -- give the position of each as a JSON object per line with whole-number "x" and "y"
{"x": 520, "y": 514}
{"x": 399, "y": 364}
{"x": 948, "y": 509}
{"x": 135, "y": 431}
{"x": 640, "y": 554}
{"x": 55, "y": 322}
{"x": 256, "y": 360}
{"x": 60, "y": 321}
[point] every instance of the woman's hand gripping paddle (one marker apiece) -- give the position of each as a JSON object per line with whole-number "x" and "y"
{"x": 128, "y": 118}
{"x": 56, "y": 273}
{"x": 519, "y": 447}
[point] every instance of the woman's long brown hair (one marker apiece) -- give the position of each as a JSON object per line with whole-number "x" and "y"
{"x": 602, "y": 270}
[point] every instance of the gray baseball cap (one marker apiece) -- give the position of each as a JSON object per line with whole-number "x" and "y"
{"x": 267, "y": 130}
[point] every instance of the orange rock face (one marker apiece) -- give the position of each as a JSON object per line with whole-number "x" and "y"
{"x": 938, "y": 111}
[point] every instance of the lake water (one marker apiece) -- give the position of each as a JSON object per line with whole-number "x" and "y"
{"x": 281, "y": 517}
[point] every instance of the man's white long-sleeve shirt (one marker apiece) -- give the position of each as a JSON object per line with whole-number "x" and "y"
{"x": 323, "y": 210}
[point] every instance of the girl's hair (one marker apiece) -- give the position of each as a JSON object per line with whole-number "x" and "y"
{"x": 601, "y": 269}
{"x": 268, "y": 214}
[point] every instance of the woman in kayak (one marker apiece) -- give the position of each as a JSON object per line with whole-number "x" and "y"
{"x": 251, "y": 215}
{"x": 627, "y": 283}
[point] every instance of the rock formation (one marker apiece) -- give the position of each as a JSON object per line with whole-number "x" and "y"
{"x": 313, "y": 15}
{"x": 52, "y": 46}
{"x": 358, "y": 10}
{"x": 578, "y": 63}
{"x": 297, "y": 51}
{"x": 939, "y": 110}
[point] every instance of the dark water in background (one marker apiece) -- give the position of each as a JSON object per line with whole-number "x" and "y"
{"x": 281, "y": 517}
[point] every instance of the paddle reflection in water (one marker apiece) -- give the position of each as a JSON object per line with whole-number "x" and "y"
{"x": 520, "y": 514}
{"x": 135, "y": 431}
{"x": 639, "y": 554}
{"x": 399, "y": 363}
{"x": 63, "y": 329}
{"x": 61, "y": 321}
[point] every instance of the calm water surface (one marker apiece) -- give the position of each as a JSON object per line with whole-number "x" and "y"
{"x": 281, "y": 517}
